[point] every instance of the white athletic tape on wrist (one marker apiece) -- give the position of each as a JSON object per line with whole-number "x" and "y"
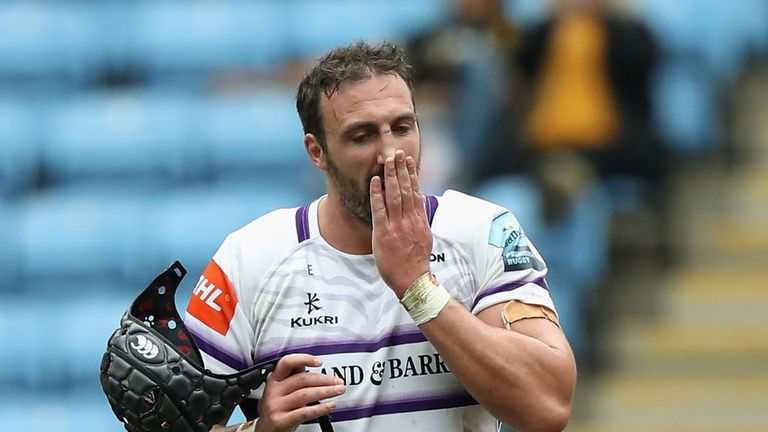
{"x": 249, "y": 428}
{"x": 425, "y": 298}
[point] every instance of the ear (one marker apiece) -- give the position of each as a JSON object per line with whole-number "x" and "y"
{"x": 315, "y": 151}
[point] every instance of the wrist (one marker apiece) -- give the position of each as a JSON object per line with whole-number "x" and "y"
{"x": 403, "y": 282}
{"x": 425, "y": 298}
{"x": 249, "y": 426}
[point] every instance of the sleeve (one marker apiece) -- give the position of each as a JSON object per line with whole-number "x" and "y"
{"x": 511, "y": 268}
{"x": 215, "y": 317}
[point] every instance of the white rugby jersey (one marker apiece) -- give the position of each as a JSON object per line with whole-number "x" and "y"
{"x": 276, "y": 287}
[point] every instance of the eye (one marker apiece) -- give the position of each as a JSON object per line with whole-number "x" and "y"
{"x": 361, "y": 138}
{"x": 402, "y": 129}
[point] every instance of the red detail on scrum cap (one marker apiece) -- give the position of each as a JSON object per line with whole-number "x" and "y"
{"x": 213, "y": 299}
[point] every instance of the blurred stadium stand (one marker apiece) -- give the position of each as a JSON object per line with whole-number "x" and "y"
{"x": 56, "y": 40}
{"x": 119, "y": 137}
{"x": 20, "y": 148}
{"x": 353, "y": 19}
{"x": 203, "y": 36}
{"x": 119, "y": 152}
{"x": 260, "y": 134}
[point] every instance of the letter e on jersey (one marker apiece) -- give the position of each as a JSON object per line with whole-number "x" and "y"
{"x": 213, "y": 300}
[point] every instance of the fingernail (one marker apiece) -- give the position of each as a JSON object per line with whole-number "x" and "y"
{"x": 340, "y": 389}
{"x": 339, "y": 381}
{"x": 318, "y": 361}
{"x": 409, "y": 161}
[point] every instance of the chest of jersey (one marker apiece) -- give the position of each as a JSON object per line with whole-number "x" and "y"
{"x": 318, "y": 295}
{"x": 336, "y": 306}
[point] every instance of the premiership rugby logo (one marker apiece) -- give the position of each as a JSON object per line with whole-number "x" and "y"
{"x": 516, "y": 252}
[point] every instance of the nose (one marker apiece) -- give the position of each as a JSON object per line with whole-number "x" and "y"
{"x": 387, "y": 146}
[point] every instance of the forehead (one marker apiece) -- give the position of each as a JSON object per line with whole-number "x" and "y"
{"x": 374, "y": 98}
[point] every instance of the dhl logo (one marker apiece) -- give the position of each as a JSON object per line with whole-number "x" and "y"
{"x": 213, "y": 299}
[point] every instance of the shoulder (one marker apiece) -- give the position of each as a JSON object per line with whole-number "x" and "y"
{"x": 459, "y": 215}
{"x": 473, "y": 223}
{"x": 277, "y": 226}
{"x": 456, "y": 198}
{"x": 255, "y": 248}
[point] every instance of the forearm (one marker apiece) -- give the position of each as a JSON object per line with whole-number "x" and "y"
{"x": 520, "y": 379}
{"x": 524, "y": 375}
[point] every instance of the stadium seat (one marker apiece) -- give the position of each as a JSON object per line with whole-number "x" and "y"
{"x": 686, "y": 97}
{"x": 71, "y": 411}
{"x": 526, "y": 13}
{"x": 114, "y": 239}
{"x": 50, "y": 361}
{"x": 203, "y": 36}
{"x": 57, "y": 344}
{"x": 723, "y": 34}
{"x": 49, "y": 39}
{"x": 520, "y": 195}
{"x": 258, "y": 138}
{"x": 77, "y": 235}
{"x": 19, "y": 134}
{"x": 318, "y": 26}
{"x": 408, "y": 17}
{"x": 120, "y": 138}
{"x": 9, "y": 239}
{"x": 705, "y": 44}
{"x": 190, "y": 225}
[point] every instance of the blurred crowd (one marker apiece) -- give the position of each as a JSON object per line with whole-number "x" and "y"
{"x": 133, "y": 133}
{"x": 571, "y": 112}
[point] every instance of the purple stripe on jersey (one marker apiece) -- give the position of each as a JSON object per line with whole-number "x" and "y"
{"x": 218, "y": 353}
{"x": 402, "y": 406}
{"x": 302, "y": 223}
{"x": 509, "y": 287}
{"x": 392, "y": 339}
{"x": 431, "y": 208}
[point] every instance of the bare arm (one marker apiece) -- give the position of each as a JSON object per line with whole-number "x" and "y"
{"x": 524, "y": 376}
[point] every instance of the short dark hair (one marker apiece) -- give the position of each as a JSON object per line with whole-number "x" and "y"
{"x": 354, "y": 62}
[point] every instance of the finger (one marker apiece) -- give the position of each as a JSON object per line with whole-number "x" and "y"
{"x": 419, "y": 198}
{"x": 392, "y": 191}
{"x": 307, "y": 380}
{"x": 292, "y": 364}
{"x": 310, "y": 395}
{"x": 378, "y": 207}
{"x": 310, "y": 412}
{"x": 404, "y": 178}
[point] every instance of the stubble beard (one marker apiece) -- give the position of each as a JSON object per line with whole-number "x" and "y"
{"x": 355, "y": 197}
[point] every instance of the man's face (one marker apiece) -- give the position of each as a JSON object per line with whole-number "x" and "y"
{"x": 365, "y": 122}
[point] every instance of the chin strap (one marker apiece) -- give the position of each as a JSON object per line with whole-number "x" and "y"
{"x": 325, "y": 421}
